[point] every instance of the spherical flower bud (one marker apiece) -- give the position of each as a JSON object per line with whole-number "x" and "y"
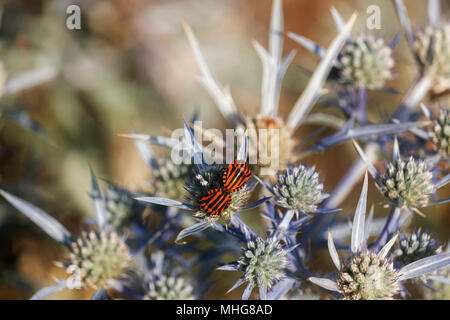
{"x": 96, "y": 258}
{"x": 368, "y": 277}
{"x": 263, "y": 262}
{"x": 122, "y": 207}
{"x": 168, "y": 179}
{"x": 407, "y": 183}
{"x": 366, "y": 62}
{"x": 437, "y": 60}
{"x": 416, "y": 246}
{"x": 166, "y": 287}
{"x": 298, "y": 188}
{"x": 441, "y": 132}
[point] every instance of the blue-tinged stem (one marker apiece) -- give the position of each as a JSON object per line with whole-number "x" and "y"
{"x": 361, "y": 105}
{"x": 298, "y": 268}
{"x": 416, "y": 92}
{"x": 284, "y": 224}
{"x": 389, "y": 228}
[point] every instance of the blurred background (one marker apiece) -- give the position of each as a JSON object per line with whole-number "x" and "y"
{"x": 130, "y": 68}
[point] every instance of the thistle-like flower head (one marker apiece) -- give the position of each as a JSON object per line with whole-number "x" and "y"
{"x": 168, "y": 287}
{"x": 407, "y": 183}
{"x": 121, "y": 206}
{"x": 441, "y": 132}
{"x": 416, "y": 246}
{"x": 168, "y": 179}
{"x": 96, "y": 258}
{"x": 166, "y": 281}
{"x": 370, "y": 273}
{"x": 368, "y": 276}
{"x": 432, "y": 46}
{"x": 366, "y": 62}
{"x": 263, "y": 262}
{"x": 298, "y": 188}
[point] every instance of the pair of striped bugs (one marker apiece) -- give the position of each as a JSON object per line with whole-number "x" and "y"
{"x": 234, "y": 178}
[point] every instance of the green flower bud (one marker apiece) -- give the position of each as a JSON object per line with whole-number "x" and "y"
{"x": 97, "y": 258}
{"x": 263, "y": 262}
{"x": 298, "y": 188}
{"x": 368, "y": 277}
{"x": 366, "y": 62}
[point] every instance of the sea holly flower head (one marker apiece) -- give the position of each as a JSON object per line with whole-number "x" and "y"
{"x": 407, "y": 183}
{"x": 168, "y": 287}
{"x": 416, "y": 246}
{"x": 369, "y": 272}
{"x": 440, "y": 133}
{"x": 122, "y": 208}
{"x": 168, "y": 179}
{"x": 263, "y": 262}
{"x": 165, "y": 281}
{"x": 97, "y": 258}
{"x": 298, "y": 188}
{"x": 365, "y": 62}
{"x": 434, "y": 141}
{"x": 432, "y": 46}
{"x": 368, "y": 277}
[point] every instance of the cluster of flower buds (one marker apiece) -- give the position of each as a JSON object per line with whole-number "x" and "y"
{"x": 97, "y": 258}
{"x": 368, "y": 276}
{"x": 433, "y": 49}
{"x": 366, "y": 62}
{"x": 263, "y": 262}
{"x": 298, "y": 188}
{"x": 407, "y": 183}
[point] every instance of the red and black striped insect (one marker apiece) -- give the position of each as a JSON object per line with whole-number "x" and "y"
{"x": 235, "y": 176}
{"x": 215, "y": 202}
